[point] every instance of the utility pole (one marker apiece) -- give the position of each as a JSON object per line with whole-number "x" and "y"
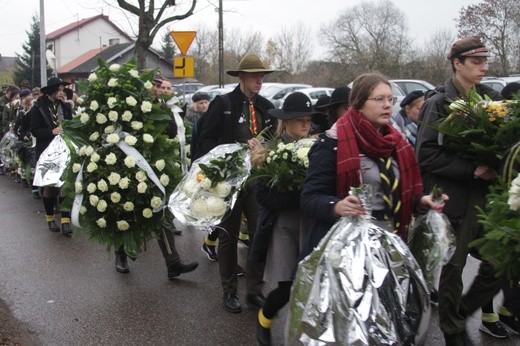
{"x": 220, "y": 45}
{"x": 43, "y": 61}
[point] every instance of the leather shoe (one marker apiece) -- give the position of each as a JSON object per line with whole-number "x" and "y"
{"x": 53, "y": 227}
{"x": 66, "y": 230}
{"x": 256, "y": 301}
{"x": 231, "y": 303}
{"x": 121, "y": 262}
{"x": 181, "y": 268}
{"x": 177, "y": 232}
{"x": 263, "y": 335}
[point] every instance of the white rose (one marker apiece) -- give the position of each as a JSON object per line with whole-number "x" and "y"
{"x": 164, "y": 179}
{"x": 147, "y": 138}
{"x": 134, "y": 73}
{"x": 81, "y": 151}
{"x": 206, "y": 184}
{"x": 112, "y": 115}
{"x": 91, "y": 188}
{"x": 123, "y": 183}
{"x": 111, "y": 159}
{"x": 114, "y": 178}
{"x": 76, "y": 167}
{"x": 92, "y": 77}
{"x": 80, "y": 100}
{"x": 113, "y": 138}
{"x": 94, "y": 136}
{"x": 89, "y": 150}
{"x": 84, "y": 118}
{"x": 156, "y": 202}
{"x": 128, "y": 206}
{"x": 199, "y": 208}
{"x": 94, "y": 105}
{"x": 216, "y": 206}
{"x": 78, "y": 186}
{"x": 82, "y": 210}
{"x": 101, "y": 223}
{"x": 112, "y": 82}
{"x": 111, "y": 102}
{"x": 136, "y": 125}
{"x": 147, "y": 213}
{"x": 129, "y": 161}
{"x": 146, "y": 107}
{"x": 101, "y": 118}
{"x": 126, "y": 116}
{"x": 115, "y": 197}
{"x": 223, "y": 189}
{"x": 122, "y": 225}
{"x": 102, "y": 205}
{"x": 91, "y": 167}
{"x": 94, "y": 157}
{"x": 148, "y": 85}
{"x": 114, "y": 67}
{"x": 93, "y": 199}
{"x": 102, "y": 185}
{"x": 130, "y": 140}
{"x": 131, "y": 101}
{"x": 141, "y": 187}
{"x": 160, "y": 164}
{"x": 140, "y": 176}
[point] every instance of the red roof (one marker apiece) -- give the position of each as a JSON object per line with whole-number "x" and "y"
{"x": 73, "y": 26}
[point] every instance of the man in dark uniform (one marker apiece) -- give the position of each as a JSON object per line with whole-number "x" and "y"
{"x": 238, "y": 116}
{"x": 467, "y": 185}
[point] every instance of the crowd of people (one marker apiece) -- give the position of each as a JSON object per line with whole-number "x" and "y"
{"x": 359, "y": 141}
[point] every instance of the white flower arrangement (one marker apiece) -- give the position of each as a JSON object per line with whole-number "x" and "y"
{"x": 101, "y": 118}
{"x": 514, "y": 194}
{"x": 94, "y": 105}
{"x": 126, "y": 116}
{"x": 136, "y": 125}
{"x": 92, "y": 77}
{"x": 111, "y": 102}
{"x": 147, "y": 138}
{"x": 111, "y": 159}
{"x": 131, "y": 101}
{"x": 130, "y": 161}
{"x": 130, "y": 140}
{"x": 113, "y": 116}
{"x": 94, "y": 136}
{"x": 160, "y": 164}
{"x": 112, "y": 82}
{"x": 146, "y": 107}
{"x": 114, "y": 67}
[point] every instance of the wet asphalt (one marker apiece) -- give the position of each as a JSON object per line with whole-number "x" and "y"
{"x": 67, "y": 292}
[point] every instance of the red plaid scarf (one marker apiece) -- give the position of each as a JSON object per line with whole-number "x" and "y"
{"x": 356, "y": 134}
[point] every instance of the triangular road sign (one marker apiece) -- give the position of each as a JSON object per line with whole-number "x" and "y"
{"x": 183, "y": 39}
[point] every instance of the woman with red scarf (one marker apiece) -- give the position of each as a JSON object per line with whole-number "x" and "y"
{"x": 363, "y": 147}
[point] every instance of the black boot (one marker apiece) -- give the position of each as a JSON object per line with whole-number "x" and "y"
{"x": 181, "y": 268}
{"x": 66, "y": 230}
{"x": 263, "y": 335}
{"x": 121, "y": 262}
{"x": 53, "y": 227}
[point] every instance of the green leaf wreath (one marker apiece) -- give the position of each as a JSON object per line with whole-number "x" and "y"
{"x": 124, "y": 167}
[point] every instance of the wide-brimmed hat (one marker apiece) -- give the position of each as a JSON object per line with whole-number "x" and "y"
{"x": 250, "y": 63}
{"x": 296, "y": 105}
{"x": 52, "y": 85}
{"x": 339, "y": 95}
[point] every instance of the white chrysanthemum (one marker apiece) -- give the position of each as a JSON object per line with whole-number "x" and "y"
{"x": 111, "y": 102}
{"x": 91, "y": 188}
{"x": 102, "y": 185}
{"x": 130, "y": 140}
{"x": 514, "y": 194}
{"x": 114, "y": 178}
{"x": 111, "y": 159}
{"x": 147, "y": 138}
{"x": 91, "y": 167}
{"x": 148, "y": 85}
{"x": 190, "y": 187}
{"x": 216, "y": 206}
{"x": 93, "y": 199}
{"x": 102, "y": 223}
{"x": 156, "y": 202}
{"x": 142, "y": 187}
{"x": 81, "y": 151}
{"x": 285, "y": 156}
{"x": 223, "y": 189}
{"x": 136, "y": 125}
{"x": 164, "y": 179}
{"x": 302, "y": 154}
{"x": 146, "y": 107}
{"x": 94, "y": 105}
{"x": 115, "y": 197}
{"x": 134, "y": 73}
{"x": 140, "y": 176}
{"x": 131, "y": 101}
{"x": 102, "y": 205}
{"x": 94, "y": 136}
{"x": 113, "y": 116}
{"x": 82, "y": 210}
{"x": 89, "y": 150}
{"x": 199, "y": 208}
{"x": 160, "y": 164}
{"x": 129, "y": 161}
{"x": 84, "y": 118}
{"x": 114, "y": 67}
{"x": 95, "y": 157}
{"x": 80, "y": 100}
{"x": 123, "y": 183}
{"x": 128, "y": 206}
{"x": 92, "y": 77}
{"x": 76, "y": 167}
{"x": 78, "y": 186}
{"x": 122, "y": 225}
{"x": 126, "y": 116}
{"x": 206, "y": 184}
{"x": 112, "y": 82}
{"x": 147, "y": 213}
{"x": 113, "y": 138}
{"x": 101, "y": 118}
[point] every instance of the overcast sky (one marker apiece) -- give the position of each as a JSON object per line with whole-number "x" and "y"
{"x": 424, "y": 16}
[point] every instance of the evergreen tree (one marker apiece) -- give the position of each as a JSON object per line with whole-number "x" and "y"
{"x": 29, "y": 60}
{"x": 167, "y": 46}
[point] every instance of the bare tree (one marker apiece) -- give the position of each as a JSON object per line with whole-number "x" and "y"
{"x": 151, "y": 21}
{"x": 436, "y": 67}
{"x": 292, "y": 48}
{"x": 205, "y": 52}
{"x": 498, "y": 22}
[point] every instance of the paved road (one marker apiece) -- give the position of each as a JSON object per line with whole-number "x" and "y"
{"x": 68, "y": 293}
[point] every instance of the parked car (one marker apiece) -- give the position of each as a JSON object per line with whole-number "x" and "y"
{"x": 218, "y": 91}
{"x": 499, "y": 83}
{"x": 313, "y": 93}
{"x": 409, "y": 85}
{"x": 275, "y": 93}
{"x": 186, "y": 88}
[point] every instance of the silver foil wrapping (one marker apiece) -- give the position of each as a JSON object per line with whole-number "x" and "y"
{"x": 360, "y": 286}
{"x": 52, "y": 163}
{"x": 188, "y": 191}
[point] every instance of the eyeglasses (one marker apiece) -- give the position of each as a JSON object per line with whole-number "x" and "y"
{"x": 381, "y": 100}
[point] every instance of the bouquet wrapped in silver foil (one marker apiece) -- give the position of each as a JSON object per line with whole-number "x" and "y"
{"x": 360, "y": 286}
{"x": 52, "y": 163}
{"x": 7, "y": 149}
{"x": 209, "y": 190}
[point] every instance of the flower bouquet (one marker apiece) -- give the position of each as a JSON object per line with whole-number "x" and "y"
{"x": 479, "y": 129}
{"x": 500, "y": 245}
{"x": 211, "y": 187}
{"x": 285, "y": 166}
{"x": 7, "y": 152}
{"x": 360, "y": 286}
{"x": 52, "y": 163}
{"x": 125, "y": 166}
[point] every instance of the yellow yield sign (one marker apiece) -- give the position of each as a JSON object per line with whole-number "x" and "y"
{"x": 183, "y": 39}
{"x": 183, "y": 66}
